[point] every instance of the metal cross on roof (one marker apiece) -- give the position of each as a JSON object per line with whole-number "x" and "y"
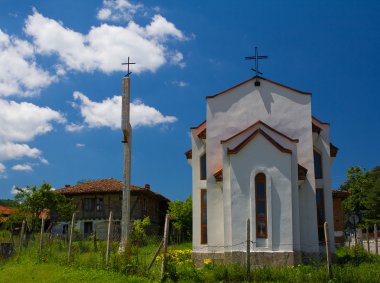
{"x": 256, "y": 57}
{"x": 128, "y": 63}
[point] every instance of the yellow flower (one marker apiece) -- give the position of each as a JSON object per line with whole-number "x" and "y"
{"x": 207, "y": 261}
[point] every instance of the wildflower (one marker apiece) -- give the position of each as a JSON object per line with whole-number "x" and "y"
{"x": 207, "y": 261}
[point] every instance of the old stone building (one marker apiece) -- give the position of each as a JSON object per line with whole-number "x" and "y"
{"x": 94, "y": 200}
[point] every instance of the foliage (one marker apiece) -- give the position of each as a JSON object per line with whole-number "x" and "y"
{"x": 364, "y": 199}
{"x": 355, "y": 255}
{"x": 87, "y": 265}
{"x": 8, "y": 202}
{"x": 33, "y": 202}
{"x": 138, "y": 233}
{"x": 182, "y": 214}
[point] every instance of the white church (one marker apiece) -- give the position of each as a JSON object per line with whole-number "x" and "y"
{"x": 261, "y": 155}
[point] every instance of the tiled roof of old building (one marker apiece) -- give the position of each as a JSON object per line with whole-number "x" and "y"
{"x": 109, "y": 185}
{"x": 6, "y": 210}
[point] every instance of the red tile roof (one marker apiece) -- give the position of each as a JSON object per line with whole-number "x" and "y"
{"x": 189, "y": 154}
{"x": 109, "y": 185}
{"x": 219, "y": 175}
{"x": 333, "y": 150}
{"x": 6, "y": 210}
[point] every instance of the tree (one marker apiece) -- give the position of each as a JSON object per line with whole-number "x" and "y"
{"x": 33, "y": 203}
{"x": 364, "y": 199}
{"x": 182, "y": 214}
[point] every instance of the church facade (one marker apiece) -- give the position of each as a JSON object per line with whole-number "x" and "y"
{"x": 260, "y": 156}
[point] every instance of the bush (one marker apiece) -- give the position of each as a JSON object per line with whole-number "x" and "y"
{"x": 138, "y": 233}
{"x": 355, "y": 255}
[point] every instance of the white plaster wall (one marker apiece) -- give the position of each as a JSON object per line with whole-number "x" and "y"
{"x": 261, "y": 156}
{"x": 283, "y": 109}
{"x": 198, "y": 148}
{"x": 322, "y": 144}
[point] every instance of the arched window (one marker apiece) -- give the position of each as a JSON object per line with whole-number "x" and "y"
{"x": 261, "y": 206}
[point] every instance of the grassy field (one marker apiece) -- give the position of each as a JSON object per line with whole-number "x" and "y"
{"x": 86, "y": 265}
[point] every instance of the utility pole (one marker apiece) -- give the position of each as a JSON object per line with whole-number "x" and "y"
{"x": 127, "y": 141}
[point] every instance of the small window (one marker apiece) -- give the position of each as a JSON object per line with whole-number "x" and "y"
{"x": 88, "y": 204}
{"x": 320, "y": 214}
{"x": 317, "y": 165}
{"x": 65, "y": 228}
{"x": 203, "y": 167}
{"x": 203, "y": 216}
{"x": 145, "y": 205}
{"x": 261, "y": 206}
{"x": 99, "y": 204}
{"x": 87, "y": 229}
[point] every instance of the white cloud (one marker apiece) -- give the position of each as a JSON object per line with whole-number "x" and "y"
{"x": 177, "y": 59}
{"x": 108, "y": 113}
{"x": 161, "y": 29}
{"x": 44, "y": 160}
{"x": 14, "y": 191}
{"x": 23, "y": 121}
{"x": 118, "y": 10}
{"x": 104, "y": 46}
{"x": 2, "y": 171}
{"x": 10, "y": 151}
{"x": 180, "y": 83}
{"x": 80, "y": 145}
{"x": 22, "y": 167}
{"x": 72, "y": 127}
{"x": 19, "y": 72}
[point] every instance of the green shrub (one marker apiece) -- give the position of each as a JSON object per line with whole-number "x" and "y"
{"x": 138, "y": 232}
{"x": 355, "y": 255}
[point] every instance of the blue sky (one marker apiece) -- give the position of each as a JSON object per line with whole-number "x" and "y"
{"x": 60, "y": 81}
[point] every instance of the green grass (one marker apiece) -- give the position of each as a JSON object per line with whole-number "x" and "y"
{"x": 49, "y": 272}
{"x": 88, "y": 266}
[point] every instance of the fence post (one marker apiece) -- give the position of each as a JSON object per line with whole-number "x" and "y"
{"x": 95, "y": 242}
{"x": 42, "y": 233}
{"x": 328, "y": 252}
{"x": 20, "y": 237}
{"x": 375, "y": 233}
{"x": 155, "y": 254}
{"x": 248, "y": 259}
{"x": 109, "y": 238}
{"x": 71, "y": 237}
{"x": 368, "y": 247}
{"x": 166, "y": 234}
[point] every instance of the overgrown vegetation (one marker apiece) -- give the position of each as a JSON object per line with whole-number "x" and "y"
{"x": 33, "y": 203}
{"x": 182, "y": 218}
{"x": 88, "y": 265}
{"x": 364, "y": 199}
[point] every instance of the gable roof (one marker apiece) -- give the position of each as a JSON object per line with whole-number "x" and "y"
{"x": 6, "y": 210}
{"x": 254, "y": 79}
{"x": 259, "y": 122}
{"x": 333, "y": 150}
{"x": 200, "y": 129}
{"x": 240, "y": 146}
{"x": 302, "y": 171}
{"x": 109, "y": 185}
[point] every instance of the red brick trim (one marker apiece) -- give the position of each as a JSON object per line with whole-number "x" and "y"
{"x": 259, "y": 122}
{"x": 252, "y": 136}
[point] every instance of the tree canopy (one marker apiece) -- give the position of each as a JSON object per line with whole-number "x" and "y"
{"x": 364, "y": 199}
{"x": 182, "y": 214}
{"x": 34, "y": 202}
